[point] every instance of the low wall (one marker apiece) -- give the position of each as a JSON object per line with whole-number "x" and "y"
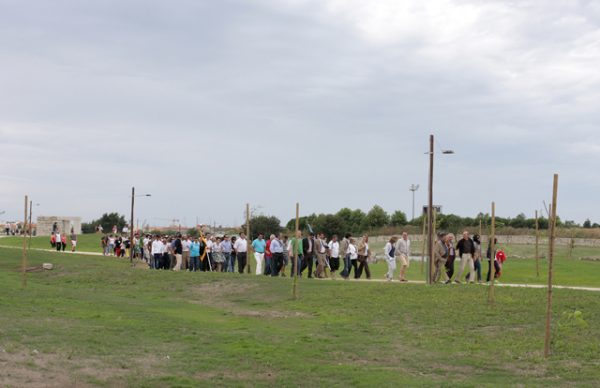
{"x": 524, "y": 240}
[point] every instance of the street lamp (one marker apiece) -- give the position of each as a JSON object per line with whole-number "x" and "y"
{"x": 131, "y": 247}
{"x": 413, "y": 188}
{"x": 430, "y": 209}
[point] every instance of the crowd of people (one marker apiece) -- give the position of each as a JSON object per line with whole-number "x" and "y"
{"x": 469, "y": 251}
{"x": 317, "y": 256}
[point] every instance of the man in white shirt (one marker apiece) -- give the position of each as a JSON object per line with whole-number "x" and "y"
{"x": 157, "y": 252}
{"x": 403, "y": 255}
{"x": 334, "y": 254}
{"x": 185, "y": 251}
{"x": 241, "y": 249}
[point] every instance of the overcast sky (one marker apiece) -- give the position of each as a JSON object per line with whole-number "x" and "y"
{"x": 208, "y": 105}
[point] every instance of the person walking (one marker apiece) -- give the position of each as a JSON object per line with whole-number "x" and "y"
{"x": 321, "y": 252}
{"x": 353, "y": 255}
{"x": 295, "y": 248}
{"x": 269, "y": 256}
{"x": 185, "y": 252}
{"x": 403, "y": 255}
{"x": 194, "y": 251}
{"x": 58, "y": 240}
{"x": 390, "y": 257}
{"x": 334, "y": 255}
{"x": 156, "y": 251}
{"x": 308, "y": 246}
{"x": 363, "y": 257}
{"x": 259, "y": 246}
{"x": 450, "y": 258}
{"x": 217, "y": 256}
{"x": 466, "y": 252}
{"x": 496, "y": 264}
{"x": 63, "y": 241}
{"x": 440, "y": 255}
{"x": 226, "y": 250}
{"x": 276, "y": 249}
{"x": 477, "y": 258}
{"x": 286, "y": 256}
{"x": 241, "y": 249}
{"x": 344, "y": 245}
{"x": 178, "y": 252}
{"x": 73, "y": 241}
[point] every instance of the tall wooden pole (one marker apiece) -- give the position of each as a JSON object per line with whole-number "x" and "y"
{"x": 550, "y": 262}
{"x": 131, "y": 247}
{"x": 295, "y": 248}
{"x": 430, "y": 215}
{"x": 537, "y": 245}
{"x": 24, "y": 258}
{"x": 492, "y": 244}
{"x": 480, "y": 231}
{"x": 424, "y": 243}
{"x": 248, "y": 269}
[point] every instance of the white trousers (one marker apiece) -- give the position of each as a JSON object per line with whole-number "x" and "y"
{"x": 178, "y": 264}
{"x": 467, "y": 258}
{"x": 391, "y": 263}
{"x": 259, "y": 257}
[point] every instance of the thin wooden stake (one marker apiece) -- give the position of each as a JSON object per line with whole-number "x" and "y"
{"x": 295, "y": 248}
{"x": 550, "y": 262}
{"x": 424, "y": 245}
{"x": 30, "y": 227}
{"x": 537, "y": 245}
{"x": 248, "y": 240}
{"x": 492, "y": 244}
{"x": 24, "y": 259}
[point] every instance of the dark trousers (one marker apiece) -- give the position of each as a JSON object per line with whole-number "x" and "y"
{"x": 347, "y": 266}
{"x": 276, "y": 263}
{"x": 242, "y": 258}
{"x": 268, "y": 264}
{"x": 496, "y": 270}
{"x": 477, "y": 265}
{"x": 194, "y": 264}
{"x": 363, "y": 265}
{"x": 354, "y": 264}
{"x": 205, "y": 265}
{"x": 58, "y": 246}
{"x": 157, "y": 261}
{"x": 450, "y": 267}
{"x": 307, "y": 263}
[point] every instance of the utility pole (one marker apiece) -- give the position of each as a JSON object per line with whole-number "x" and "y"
{"x": 430, "y": 215}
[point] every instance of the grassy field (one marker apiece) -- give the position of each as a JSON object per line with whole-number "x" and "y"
{"x": 95, "y": 321}
{"x": 568, "y": 272}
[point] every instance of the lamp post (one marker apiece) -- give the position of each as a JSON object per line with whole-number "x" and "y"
{"x": 430, "y": 236}
{"x": 131, "y": 247}
{"x": 413, "y": 188}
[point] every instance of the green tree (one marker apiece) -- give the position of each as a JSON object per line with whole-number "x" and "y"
{"x": 329, "y": 224}
{"x": 376, "y": 218}
{"x": 108, "y": 220}
{"x": 398, "y": 218}
{"x": 587, "y": 224}
{"x": 264, "y": 224}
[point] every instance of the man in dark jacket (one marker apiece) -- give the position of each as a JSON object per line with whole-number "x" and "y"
{"x": 466, "y": 252}
{"x": 308, "y": 247}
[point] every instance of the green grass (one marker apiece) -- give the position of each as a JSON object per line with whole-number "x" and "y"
{"x": 96, "y": 321}
{"x": 85, "y": 242}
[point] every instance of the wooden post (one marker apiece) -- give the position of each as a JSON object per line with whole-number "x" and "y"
{"x": 295, "y": 248}
{"x": 24, "y": 258}
{"x": 248, "y": 268}
{"x": 30, "y": 224}
{"x": 131, "y": 247}
{"x": 550, "y": 262}
{"x": 537, "y": 245}
{"x": 492, "y": 244}
{"x": 430, "y": 237}
{"x": 424, "y": 242}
